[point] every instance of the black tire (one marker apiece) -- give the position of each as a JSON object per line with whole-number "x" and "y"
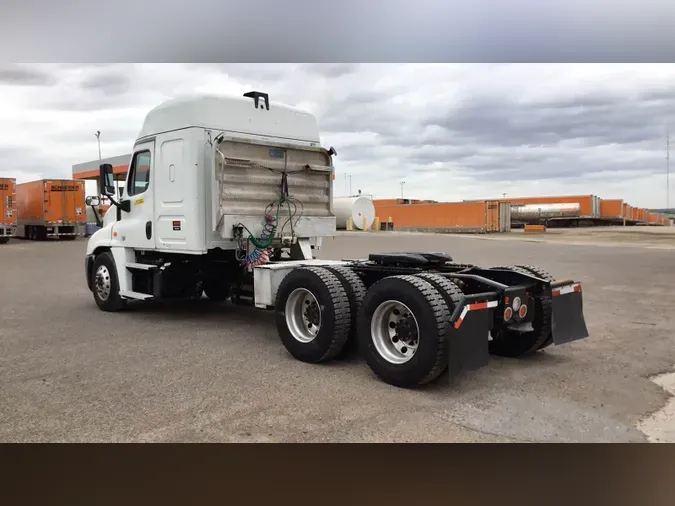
{"x": 333, "y": 310}
{"x": 113, "y": 302}
{"x": 4, "y": 240}
{"x": 356, "y": 291}
{"x": 537, "y": 271}
{"x": 216, "y": 291}
{"x": 513, "y": 344}
{"x": 432, "y": 315}
{"x": 541, "y": 273}
{"x": 451, "y": 292}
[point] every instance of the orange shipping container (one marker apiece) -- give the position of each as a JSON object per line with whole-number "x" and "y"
{"x": 7, "y": 208}
{"x": 51, "y": 208}
{"x": 447, "y": 216}
{"x": 611, "y": 208}
{"x": 626, "y": 211}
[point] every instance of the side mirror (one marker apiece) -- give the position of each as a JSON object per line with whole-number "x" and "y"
{"x": 92, "y": 201}
{"x": 332, "y": 151}
{"x": 107, "y": 180}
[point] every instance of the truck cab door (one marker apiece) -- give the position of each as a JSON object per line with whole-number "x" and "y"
{"x": 136, "y": 227}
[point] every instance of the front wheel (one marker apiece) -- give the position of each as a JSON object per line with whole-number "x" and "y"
{"x": 403, "y": 325}
{"x": 216, "y": 290}
{"x": 105, "y": 284}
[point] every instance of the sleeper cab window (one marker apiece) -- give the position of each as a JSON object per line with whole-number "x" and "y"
{"x": 139, "y": 178}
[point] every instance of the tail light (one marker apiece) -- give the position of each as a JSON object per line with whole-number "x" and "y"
{"x": 508, "y": 313}
{"x": 522, "y": 312}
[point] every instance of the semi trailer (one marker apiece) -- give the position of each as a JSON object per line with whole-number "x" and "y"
{"x": 231, "y": 198}
{"x": 51, "y": 208}
{"x": 7, "y": 209}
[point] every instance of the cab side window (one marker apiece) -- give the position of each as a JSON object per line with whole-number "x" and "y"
{"x": 139, "y": 174}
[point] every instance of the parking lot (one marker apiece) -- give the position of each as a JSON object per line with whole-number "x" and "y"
{"x": 217, "y": 372}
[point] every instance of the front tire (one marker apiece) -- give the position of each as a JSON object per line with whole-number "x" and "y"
{"x": 312, "y": 314}
{"x": 105, "y": 284}
{"x": 403, "y": 325}
{"x": 217, "y": 291}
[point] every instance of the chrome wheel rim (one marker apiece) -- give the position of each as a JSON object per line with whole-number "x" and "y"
{"x": 102, "y": 282}
{"x": 303, "y": 315}
{"x": 395, "y": 332}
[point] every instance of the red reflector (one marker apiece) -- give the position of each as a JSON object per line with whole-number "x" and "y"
{"x": 508, "y": 313}
{"x": 522, "y": 312}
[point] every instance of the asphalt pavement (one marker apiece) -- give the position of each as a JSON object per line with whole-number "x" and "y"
{"x": 217, "y": 372}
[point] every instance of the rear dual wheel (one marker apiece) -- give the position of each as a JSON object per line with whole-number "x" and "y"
{"x": 400, "y": 324}
{"x": 402, "y": 330}
{"x": 313, "y": 316}
{"x": 513, "y": 344}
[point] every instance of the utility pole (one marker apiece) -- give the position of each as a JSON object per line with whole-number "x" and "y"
{"x": 667, "y": 167}
{"x": 350, "y": 185}
{"x": 402, "y": 183}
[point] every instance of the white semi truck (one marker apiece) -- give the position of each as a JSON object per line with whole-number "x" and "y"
{"x": 230, "y": 197}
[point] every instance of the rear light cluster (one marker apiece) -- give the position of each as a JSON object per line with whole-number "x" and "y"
{"x": 516, "y": 307}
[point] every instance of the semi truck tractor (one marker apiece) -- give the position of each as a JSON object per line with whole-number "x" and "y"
{"x": 8, "y": 209}
{"x": 231, "y": 198}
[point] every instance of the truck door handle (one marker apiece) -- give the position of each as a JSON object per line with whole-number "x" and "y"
{"x": 148, "y": 229}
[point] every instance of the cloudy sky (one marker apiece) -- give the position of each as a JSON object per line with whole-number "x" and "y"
{"x": 450, "y": 131}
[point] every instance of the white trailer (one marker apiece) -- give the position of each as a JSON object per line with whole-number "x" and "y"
{"x": 232, "y": 196}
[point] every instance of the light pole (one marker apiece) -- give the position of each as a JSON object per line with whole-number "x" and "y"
{"x": 98, "y": 139}
{"x": 667, "y": 167}
{"x": 402, "y": 183}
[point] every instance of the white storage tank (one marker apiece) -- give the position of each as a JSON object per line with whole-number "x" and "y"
{"x": 357, "y": 208}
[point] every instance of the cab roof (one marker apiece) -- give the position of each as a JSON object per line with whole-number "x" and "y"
{"x": 251, "y": 114}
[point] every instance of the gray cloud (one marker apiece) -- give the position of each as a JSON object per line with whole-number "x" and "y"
{"x": 595, "y": 120}
{"x": 19, "y": 75}
{"x": 331, "y": 70}
{"x": 108, "y": 83}
{"x": 450, "y": 131}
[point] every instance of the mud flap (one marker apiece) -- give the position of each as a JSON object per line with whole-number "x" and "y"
{"x": 568, "y": 322}
{"x": 468, "y": 337}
